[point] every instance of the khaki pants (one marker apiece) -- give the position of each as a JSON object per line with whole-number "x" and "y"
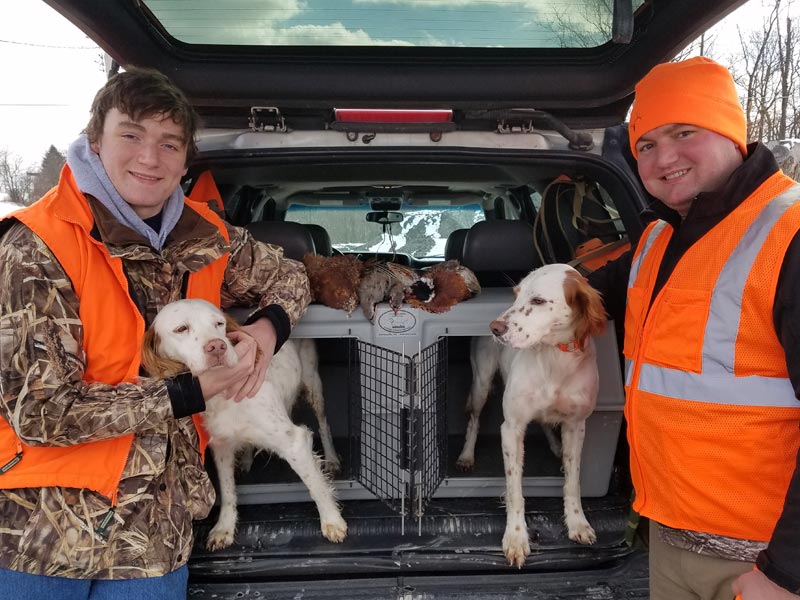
{"x": 677, "y": 574}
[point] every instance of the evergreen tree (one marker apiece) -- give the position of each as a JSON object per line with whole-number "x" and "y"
{"x": 47, "y": 177}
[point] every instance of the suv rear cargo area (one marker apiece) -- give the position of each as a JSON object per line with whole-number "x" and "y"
{"x": 395, "y": 392}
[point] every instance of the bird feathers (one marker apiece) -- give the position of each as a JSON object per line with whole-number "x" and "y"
{"x": 334, "y": 280}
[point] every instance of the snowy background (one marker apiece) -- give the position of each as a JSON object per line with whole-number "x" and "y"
{"x": 7, "y": 207}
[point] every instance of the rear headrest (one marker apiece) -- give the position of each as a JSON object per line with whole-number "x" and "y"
{"x": 294, "y": 238}
{"x": 502, "y": 247}
{"x": 454, "y": 248}
{"x": 322, "y": 241}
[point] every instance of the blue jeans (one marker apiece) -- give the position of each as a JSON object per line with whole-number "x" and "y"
{"x": 22, "y": 586}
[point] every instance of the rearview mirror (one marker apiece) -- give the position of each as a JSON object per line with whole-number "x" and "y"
{"x": 384, "y": 217}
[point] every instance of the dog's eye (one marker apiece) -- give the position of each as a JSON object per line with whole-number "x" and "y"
{"x": 181, "y": 329}
{"x": 220, "y": 323}
{"x": 537, "y": 301}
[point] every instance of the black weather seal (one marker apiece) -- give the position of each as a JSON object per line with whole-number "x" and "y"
{"x": 527, "y": 120}
{"x": 622, "y": 25}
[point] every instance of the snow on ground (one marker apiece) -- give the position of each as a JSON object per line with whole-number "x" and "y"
{"x": 7, "y": 207}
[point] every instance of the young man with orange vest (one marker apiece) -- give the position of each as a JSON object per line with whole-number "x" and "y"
{"x": 101, "y": 471}
{"x": 712, "y": 344}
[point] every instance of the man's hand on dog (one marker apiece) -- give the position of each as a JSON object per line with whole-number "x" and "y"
{"x": 232, "y": 380}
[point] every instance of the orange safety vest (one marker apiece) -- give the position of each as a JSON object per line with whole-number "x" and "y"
{"x": 113, "y": 330}
{"x": 712, "y": 416}
{"x": 205, "y": 191}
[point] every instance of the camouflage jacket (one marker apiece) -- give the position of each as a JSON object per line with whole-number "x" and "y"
{"x": 164, "y": 486}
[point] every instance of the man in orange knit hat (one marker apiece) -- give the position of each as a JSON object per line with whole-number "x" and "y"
{"x": 712, "y": 344}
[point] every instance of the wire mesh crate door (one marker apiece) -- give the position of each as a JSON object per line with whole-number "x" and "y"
{"x": 429, "y": 424}
{"x": 380, "y": 404}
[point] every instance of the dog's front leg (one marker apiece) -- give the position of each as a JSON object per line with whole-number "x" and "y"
{"x": 578, "y": 528}
{"x": 294, "y": 444}
{"x": 516, "y": 545}
{"x": 221, "y": 536}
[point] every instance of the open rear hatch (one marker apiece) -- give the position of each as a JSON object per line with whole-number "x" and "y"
{"x": 578, "y": 61}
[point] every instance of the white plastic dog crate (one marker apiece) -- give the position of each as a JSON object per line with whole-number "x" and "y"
{"x": 406, "y": 414}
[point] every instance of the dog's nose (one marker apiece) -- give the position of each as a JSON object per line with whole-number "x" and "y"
{"x": 216, "y": 347}
{"x": 498, "y": 327}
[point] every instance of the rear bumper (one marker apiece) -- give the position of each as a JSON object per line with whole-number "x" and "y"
{"x": 455, "y": 553}
{"x": 622, "y": 579}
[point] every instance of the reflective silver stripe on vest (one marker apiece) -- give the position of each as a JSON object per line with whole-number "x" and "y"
{"x": 717, "y": 389}
{"x": 648, "y": 243}
{"x": 719, "y": 341}
{"x": 636, "y": 264}
{"x": 717, "y": 382}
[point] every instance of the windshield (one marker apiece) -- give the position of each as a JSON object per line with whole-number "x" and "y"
{"x": 420, "y": 23}
{"x": 422, "y": 233}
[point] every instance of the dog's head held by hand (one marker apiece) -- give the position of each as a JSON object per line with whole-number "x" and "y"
{"x": 554, "y": 305}
{"x": 188, "y": 334}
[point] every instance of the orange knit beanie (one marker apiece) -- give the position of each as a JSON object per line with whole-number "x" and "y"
{"x": 697, "y": 91}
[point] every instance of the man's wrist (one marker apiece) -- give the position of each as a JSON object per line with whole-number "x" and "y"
{"x": 279, "y": 319}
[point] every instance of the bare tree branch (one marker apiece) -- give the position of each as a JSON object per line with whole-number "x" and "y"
{"x": 14, "y": 178}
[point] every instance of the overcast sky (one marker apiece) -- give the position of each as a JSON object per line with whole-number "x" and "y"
{"x": 51, "y": 72}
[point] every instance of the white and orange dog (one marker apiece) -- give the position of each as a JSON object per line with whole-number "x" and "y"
{"x": 192, "y": 334}
{"x": 548, "y": 363}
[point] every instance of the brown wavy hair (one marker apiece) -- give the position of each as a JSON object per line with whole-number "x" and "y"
{"x": 141, "y": 93}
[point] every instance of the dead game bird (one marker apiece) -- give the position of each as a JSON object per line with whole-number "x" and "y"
{"x": 334, "y": 280}
{"x": 383, "y": 281}
{"x": 442, "y": 287}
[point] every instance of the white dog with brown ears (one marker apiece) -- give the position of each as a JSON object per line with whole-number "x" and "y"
{"x": 192, "y": 334}
{"x": 548, "y": 363}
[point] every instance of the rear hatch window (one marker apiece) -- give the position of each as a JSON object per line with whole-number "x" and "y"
{"x": 428, "y": 23}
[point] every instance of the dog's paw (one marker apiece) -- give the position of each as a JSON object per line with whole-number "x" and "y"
{"x": 465, "y": 463}
{"x": 332, "y": 467}
{"x": 516, "y": 547}
{"x": 219, "y": 538}
{"x": 581, "y": 532}
{"x": 335, "y": 531}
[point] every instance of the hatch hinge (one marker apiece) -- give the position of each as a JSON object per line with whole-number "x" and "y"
{"x": 266, "y": 118}
{"x": 504, "y": 126}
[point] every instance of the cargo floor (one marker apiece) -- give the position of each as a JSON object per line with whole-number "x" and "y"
{"x": 539, "y": 460}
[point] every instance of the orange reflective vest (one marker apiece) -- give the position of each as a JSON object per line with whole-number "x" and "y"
{"x": 712, "y": 416}
{"x": 205, "y": 191}
{"x": 113, "y": 330}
